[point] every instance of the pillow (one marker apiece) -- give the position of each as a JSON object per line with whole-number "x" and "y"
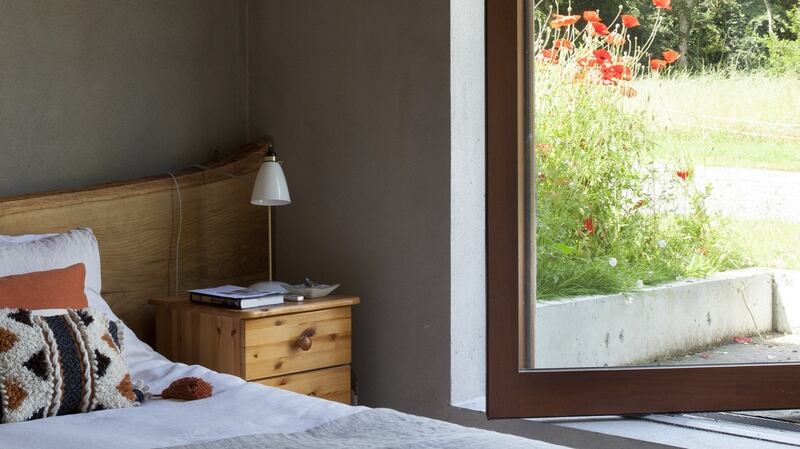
{"x": 52, "y": 289}
{"x": 52, "y": 252}
{"x": 60, "y": 365}
{"x": 17, "y": 239}
{"x": 83, "y": 246}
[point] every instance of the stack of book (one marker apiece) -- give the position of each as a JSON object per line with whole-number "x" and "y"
{"x": 236, "y": 297}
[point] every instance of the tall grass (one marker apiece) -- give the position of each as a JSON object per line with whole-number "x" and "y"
{"x": 752, "y": 106}
{"x": 608, "y": 218}
{"x": 719, "y": 118}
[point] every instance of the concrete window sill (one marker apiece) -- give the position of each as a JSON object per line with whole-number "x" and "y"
{"x": 674, "y": 430}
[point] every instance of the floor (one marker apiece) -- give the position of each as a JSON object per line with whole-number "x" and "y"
{"x": 768, "y": 348}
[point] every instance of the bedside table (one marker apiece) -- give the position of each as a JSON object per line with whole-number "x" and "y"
{"x": 302, "y": 347}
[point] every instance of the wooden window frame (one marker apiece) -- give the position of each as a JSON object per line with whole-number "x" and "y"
{"x": 513, "y": 392}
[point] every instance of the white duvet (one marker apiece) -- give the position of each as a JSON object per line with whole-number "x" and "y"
{"x": 236, "y": 408}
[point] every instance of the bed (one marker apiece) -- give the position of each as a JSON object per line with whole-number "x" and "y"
{"x": 137, "y": 226}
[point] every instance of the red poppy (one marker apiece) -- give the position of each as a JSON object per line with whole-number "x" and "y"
{"x": 657, "y": 64}
{"x": 610, "y": 72}
{"x": 598, "y": 28}
{"x": 592, "y": 16}
{"x": 548, "y": 55}
{"x": 619, "y": 71}
{"x": 629, "y": 21}
{"x": 683, "y": 174}
{"x": 588, "y": 225}
{"x": 615, "y": 39}
{"x": 562, "y": 43}
{"x": 662, "y": 4}
{"x": 588, "y": 62}
{"x": 602, "y": 55}
{"x": 562, "y": 21}
{"x": 671, "y": 56}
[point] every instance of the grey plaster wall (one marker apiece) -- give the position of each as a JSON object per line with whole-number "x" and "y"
{"x": 94, "y": 91}
{"x": 356, "y": 94}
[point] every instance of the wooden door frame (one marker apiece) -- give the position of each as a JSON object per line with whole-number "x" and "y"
{"x": 513, "y": 392}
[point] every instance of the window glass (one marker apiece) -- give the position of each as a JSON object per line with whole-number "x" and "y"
{"x": 662, "y": 180}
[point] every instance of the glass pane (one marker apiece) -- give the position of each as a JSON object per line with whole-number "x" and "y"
{"x": 663, "y": 183}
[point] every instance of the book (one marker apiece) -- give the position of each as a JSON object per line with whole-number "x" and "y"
{"x": 235, "y": 292}
{"x": 235, "y": 297}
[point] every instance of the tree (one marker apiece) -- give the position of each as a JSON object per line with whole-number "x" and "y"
{"x": 684, "y": 12}
{"x": 770, "y": 19}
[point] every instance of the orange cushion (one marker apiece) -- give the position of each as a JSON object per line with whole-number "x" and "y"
{"x": 52, "y": 289}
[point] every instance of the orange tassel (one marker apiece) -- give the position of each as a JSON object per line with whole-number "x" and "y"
{"x": 188, "y": 389}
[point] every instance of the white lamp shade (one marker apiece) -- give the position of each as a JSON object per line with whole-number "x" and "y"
{"x": 270, "y": 188}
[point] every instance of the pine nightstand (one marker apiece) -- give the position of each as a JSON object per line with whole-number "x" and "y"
{"x": 303, "y": 347}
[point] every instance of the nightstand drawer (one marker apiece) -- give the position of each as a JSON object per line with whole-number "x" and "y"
{"x": 330, "y": 383}
{"x": 299, "y": 342}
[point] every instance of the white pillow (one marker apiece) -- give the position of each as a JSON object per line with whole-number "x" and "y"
{"x": 17, "y": 239}
{"x": 52, "y": 252}
{"x": 38, "y": 252}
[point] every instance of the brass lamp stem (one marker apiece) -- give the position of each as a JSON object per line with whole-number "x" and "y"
{"x": 271, "y": 242}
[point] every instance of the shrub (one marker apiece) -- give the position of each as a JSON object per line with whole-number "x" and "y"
{"x": 784, "y": 54}
{"x": 608, "y": 219}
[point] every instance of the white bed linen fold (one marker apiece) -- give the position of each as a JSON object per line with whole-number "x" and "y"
{"x": 236, "y": 408}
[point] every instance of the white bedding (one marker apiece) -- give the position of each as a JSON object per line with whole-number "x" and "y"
{"x": 236, "y": 408}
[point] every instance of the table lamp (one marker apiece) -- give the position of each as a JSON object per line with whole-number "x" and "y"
{"x": 270, "y": 189}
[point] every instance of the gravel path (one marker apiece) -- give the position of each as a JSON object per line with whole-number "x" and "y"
{"x": 752, "y": 194}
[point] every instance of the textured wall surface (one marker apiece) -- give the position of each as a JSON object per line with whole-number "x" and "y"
{"x": 94, "y": 91}
{"x": 467, "y": 201}
{"x": 357, "y": 96}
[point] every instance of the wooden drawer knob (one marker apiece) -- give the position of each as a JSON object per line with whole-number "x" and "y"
{"x": 304, "y": 341}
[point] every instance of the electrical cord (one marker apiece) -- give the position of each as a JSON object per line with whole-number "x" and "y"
{"x": 178, "y": 238}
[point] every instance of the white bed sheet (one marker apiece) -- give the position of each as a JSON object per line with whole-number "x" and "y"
{"x": 236, "y": 408}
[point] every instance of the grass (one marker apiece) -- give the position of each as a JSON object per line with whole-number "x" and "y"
{"x": 758, "y": 115}
{"x": 745, "y": 120}
{"x": 768, "y": 243}
{"x": 754, "y": 103}
{"x": 600, "y": 227}
{"x": 765, "y": 243}
{"x": 725, "y": 151}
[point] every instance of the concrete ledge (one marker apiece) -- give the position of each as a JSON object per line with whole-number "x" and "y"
{"x": 786, "y": 304}
{"x": 659, "y": 322}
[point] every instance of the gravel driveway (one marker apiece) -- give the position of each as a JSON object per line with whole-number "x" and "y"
{"x": 752, "y": 194}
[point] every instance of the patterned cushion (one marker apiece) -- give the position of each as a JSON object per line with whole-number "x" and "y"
{"x": 61, "y": 364}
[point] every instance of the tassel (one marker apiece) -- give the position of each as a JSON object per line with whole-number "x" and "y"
{"x": 188, "y": 389}
{"x": 142, "y": 392}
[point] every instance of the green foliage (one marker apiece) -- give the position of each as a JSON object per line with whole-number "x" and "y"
{"x": 608, "y": 218}
{"x": 728, "y": 34}
{"x": 595, "y": 161}
{"x": 784, "y": 54}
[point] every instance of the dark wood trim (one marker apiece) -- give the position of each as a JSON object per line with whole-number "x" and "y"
{"x": 513, "y": 392}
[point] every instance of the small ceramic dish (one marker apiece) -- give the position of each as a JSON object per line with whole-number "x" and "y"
{"x": 315, "y": 291}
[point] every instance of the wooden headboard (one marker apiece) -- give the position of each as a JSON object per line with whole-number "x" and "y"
{"x": 223, "y": 238}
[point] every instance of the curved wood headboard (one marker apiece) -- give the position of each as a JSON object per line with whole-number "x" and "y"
{"x": 223, "y": 239}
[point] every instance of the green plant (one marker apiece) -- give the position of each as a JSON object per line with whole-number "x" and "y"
{"x": 784, "y": 54}
{"x": 609, "y": 219}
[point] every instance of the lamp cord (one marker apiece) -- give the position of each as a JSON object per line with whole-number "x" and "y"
{"x": 178, "y": 238}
